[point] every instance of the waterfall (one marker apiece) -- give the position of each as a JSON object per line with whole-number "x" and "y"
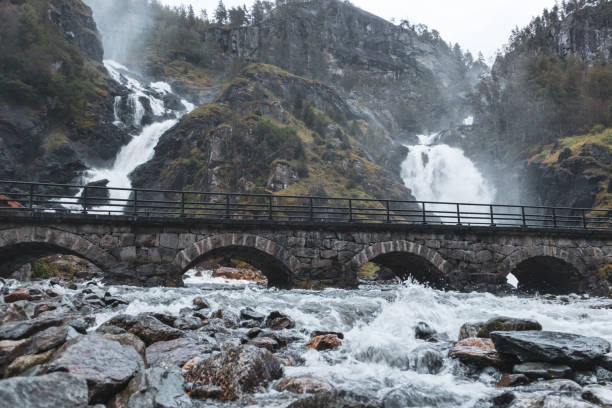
{"x": 141, "y": 147}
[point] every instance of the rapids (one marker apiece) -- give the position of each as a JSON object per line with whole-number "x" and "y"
{"x": 378, "y": 322}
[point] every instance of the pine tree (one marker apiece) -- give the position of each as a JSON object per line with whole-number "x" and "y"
{"x": 221, "y": 13}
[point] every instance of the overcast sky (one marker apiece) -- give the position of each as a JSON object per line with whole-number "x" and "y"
{"x": 477, "y": 25}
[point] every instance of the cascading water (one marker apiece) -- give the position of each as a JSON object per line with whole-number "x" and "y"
{"x": 142, "y": 146}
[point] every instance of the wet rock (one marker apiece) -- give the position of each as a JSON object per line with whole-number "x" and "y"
{"x": 324, "y": 342}
{"x": 552, "y": 386}
{"x": 512, "y": 380}
{"x": 16, "y": 295}
{"x": 10, "y": 350}
{"x": 551, "y": 347}
{"x": 26, "y": 328}
{"x": 188, "y": 323}
{"x": 250, "y": 314}
{"x": 503, "y": 400}
{"x": 469, "y": 330}
{"x": 47, "y": 391}
{"x": 557, "y": 401}
{"x": 322, "y": 333}
{"x": 175, "y": 352}
{"x": 335, "y": 399}
{"x": 51, "y": 337}
{"x": 128, "y": 339}
{"x": 155, "y": 387}
{"x": 106, "y": 365}
{"x": 81, "y": 323}
{"x": 148, "y": 328}
{"x": 304, "y": 385}
{"x": 24, "y": 363}
{"x": 237, "y": 370}
{"x": 476, "y": 351}
{"x": 199, "y": 303}
{"x": 423, "y": 331}
{"x": 13, "y": 312}
{"x": 206, "y": 392}
{"x": 267, "y": 343}
{"x": 279, "y": 321}
{"x": 543, "y": 370}
{"x": 426, "y": 360}
{"x": 507, "y": 324}
{"x": 598, "y": 394}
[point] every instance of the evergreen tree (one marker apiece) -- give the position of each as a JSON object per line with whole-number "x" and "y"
{"x": 221, "y": 13}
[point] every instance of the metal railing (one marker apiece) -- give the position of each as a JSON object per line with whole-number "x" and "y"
{"x": 37, "y": 198}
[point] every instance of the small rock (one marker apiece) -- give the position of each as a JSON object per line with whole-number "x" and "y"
{"x": 10, "y": 350}
{"x": 279, "y": 321}
{"x": 504, "y": 399}
{"x": 598, "y": 394}
{"x": 188, "y": 323}
{"x": 507, "y": 324}
{"x": 477, "y": 351}
{"x": 265, "y": 342}
{"x": 426, "y": 360}
{"x": 324, "y": 342}
{"x": 199, "y": 303}
{"x": 50, "y": 338}
{"x": 148, "y": 328}
{"x": 26, "y": 328}
{"x": 16, "y": 295}
{"x": 63, "y": 390}
{"x": 304, "y": 385}
{"x": 513, "y": 380}
{"x": 250, "y": 314}
{"x": 322, "y": 333}
{"x": 423, "y": 331}
{"x": 128, "y": 339}
{"x": 546, "y": 371}
{"x": 24, "y": 363}
{"x": 469, "y": 330}
{"x": 206, "y": 392}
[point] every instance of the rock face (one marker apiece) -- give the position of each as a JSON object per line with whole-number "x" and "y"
{"x": 551, "y": 347}
{"x": 47, "y": 391}
{"x": 237, "y": 370}
{"x": 106, "y": 365}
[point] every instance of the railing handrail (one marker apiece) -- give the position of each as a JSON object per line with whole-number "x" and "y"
{"x": 271, "y": 208}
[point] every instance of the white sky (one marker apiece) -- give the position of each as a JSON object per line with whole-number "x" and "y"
{"x": 477, "y": 25}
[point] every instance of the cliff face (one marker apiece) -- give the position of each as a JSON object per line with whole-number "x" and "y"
{"x": 56, "y": 98}
{"x": 269, "y": 131}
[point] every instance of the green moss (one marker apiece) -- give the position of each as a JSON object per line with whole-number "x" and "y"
{"x": 368, "y": 270}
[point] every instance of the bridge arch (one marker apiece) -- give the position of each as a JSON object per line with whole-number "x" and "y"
{"x": 19, "y": 246}
{"x": 546, "y": 269}
{"x": 405, "y": 258}
{"x": 268, "y": 256}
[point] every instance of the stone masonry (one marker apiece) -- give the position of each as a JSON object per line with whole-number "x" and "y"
{"x": 145, "y": 251}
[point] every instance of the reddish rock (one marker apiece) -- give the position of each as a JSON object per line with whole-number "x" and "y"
{"x": 240, "y": 274}
{"x": 10, "y": 350}
{"x": 324, "y": 342}
{"x": 477, "y": 351}
{"x": 6, "y": 201}
{"x": 266, "y": 343}
{"x": 512, "y": 380}
{"x": 304, "y": 385}
{"x": 16, "y": 295}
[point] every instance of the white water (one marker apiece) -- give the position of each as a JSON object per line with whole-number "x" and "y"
{"x": 142, "y": 146}
{"x": 378, "y": 323}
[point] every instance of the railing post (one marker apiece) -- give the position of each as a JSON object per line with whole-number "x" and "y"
{"x": 182, "y": 204}
{"x": 311, "y": 204}
{"x": 227, "y": 207}
{"x": 584, "y": 220}
{"x": 135, "y": 204}
{"x": 524, "y": 217}
{"x": 270, "y": 211}
{"x": 554, "y": 217}
{"x": 350, "y": 202}
{"x": 424, "y": 213}
{"x": 31, "y": 199}
{"x": 388, "y": 211}
{"x": 458, "y": 214}
{"x": 492, "y": 216}
{"x": 84, "y": 204}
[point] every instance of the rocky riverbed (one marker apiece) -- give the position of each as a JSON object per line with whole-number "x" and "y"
{"x": 220, "y": 343}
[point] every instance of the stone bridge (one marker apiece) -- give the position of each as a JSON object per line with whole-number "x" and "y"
{"x": 150, "y": 251}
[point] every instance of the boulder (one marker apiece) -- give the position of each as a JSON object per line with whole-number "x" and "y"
{"x": 561, "y": 385}
{"x": 106, "y": 365}
{"x": 53, "y": 390}
{"x": 413, "y": 395}
{"x": 423, "y": 331}
{"x": 146, "y": 327}
{"x": 250, "y": 314}
{"x": 10, "y": 350}
{"x": 188, "y": 322}
{"x": 267, "y": 343}
{"x": 16, "y": 295}
{"x": 598, "y": 394}
{"x": 478, "y": 352}
{"x": 546, "y": 371}
{"x": 507, "y": 324}
{"x": 238, "y": 370}
{"x": 26, "y": 328}
{"x": 50, "y": 338}
{"x": 279, "y": 321}
{"x": 324, "y": 342}
{"x": 426, "y": 360}
{"x": 206, "y": 392}
{"x": 199, "y": 303}
{"x": 155, "y": 387}
{"x": 304, "y": 385}
{"x": 128, "y": 339}
{"x": 175, "y": 352}
{"x": 551, "y": 347}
